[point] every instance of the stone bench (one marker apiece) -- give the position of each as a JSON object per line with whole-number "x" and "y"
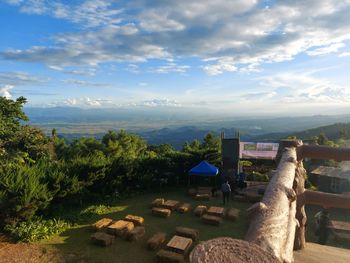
{"x": 211, "y": 220}
{"x": 232, "y": 214}
{"x": 157, "y": 202}
{"x": 184, "y": 208}
{"x": 102, "y": 224}
{"x": 156, "y": 240}
{"x": 162, "y": 212}
{"x": 165, "y": 256}
{"x": 187, "y": 232}
{"x": 137, "y": 220}
{"x": 200, "y": 210}
{"x": 120, "y": 228}
{"x": 216, "y": 211}
{"x": 136, "y": 234}
{"x": 102, "y": 239}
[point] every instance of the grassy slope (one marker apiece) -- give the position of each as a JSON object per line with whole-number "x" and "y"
{"x": 76, "y": 240}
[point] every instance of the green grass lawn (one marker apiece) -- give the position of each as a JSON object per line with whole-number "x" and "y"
{"x": 76, "y": 240}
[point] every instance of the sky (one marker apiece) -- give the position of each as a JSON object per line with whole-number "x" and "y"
{"x": 249, "y": 57}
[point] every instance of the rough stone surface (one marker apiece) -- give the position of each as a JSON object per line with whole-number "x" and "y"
{"x": 157, "y": 202}
{"x": 184, "y": 208}
{"x": 202, "y": 197}
{"x": 230, "y": 250}
{"x": 171, "y": 204}
{"x": 211, "y": 220}
{"x": 102, "y": 239}
{"x": 102, "y": 224}
{"x": 136, "y": 234}
{"x": 137, "y": 220}
{"x": 187, "y": 232}
{"x": 200, "y": 210}
{"x": 232, "y": 214}
{"x": 162, "y": 212}
{"x": 156, "y": 240}
{"x": 120, "y": 228}
{"x": 164, "y": 256}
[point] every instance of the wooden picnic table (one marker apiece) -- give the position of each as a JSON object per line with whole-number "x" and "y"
{"x": 340, "y": 225}
{"x": 216, "y": 211}
{"x": 179, "y": 244}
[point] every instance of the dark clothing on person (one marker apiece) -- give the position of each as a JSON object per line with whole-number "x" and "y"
{"x": 226, "y": 190}
{"x": 241, "y": 180}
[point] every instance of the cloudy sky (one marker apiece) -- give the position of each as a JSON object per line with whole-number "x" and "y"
{"x": 242, "y": 56}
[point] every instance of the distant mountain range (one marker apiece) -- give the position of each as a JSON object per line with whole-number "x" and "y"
{"x": 164, "y": 126}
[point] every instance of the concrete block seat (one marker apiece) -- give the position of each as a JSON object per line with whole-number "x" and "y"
{"x": 202, "y": 197}
{"x": 102, "y": 239}
{"x": 120, "y": 228}
{"x": 184, "y": 208}
{"x": 136, "y": 234}
{"x": 187, "y": 232}
{"x": 165, "y": 256}
{"x": 162, "y": 212}
{"x": 102, "y": 224}
{"x": 137, "y": 220}
{"x": 211, "y": 220}
{"x": 200, "y": 210}
{"x": 232, "y": 214}
{"x": 156, "y": 241}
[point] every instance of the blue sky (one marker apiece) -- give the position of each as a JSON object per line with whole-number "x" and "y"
{"x": 232, "y": 57}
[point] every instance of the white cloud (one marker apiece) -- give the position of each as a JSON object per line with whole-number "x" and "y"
{"x": 344, "y": 54}
{"x": 159, "y": 103}
{"x": 5, "y": 91}
{"x": 20, "y": 79}
{"x": 326, "y": 50}
{"x": 239, "y": 35}
{"x": 78, "y": 82}
{"x": 84, "y": 102}
{"x": 170, "y": 67}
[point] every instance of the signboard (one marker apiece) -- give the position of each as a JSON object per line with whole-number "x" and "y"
{"x": 257, "y": 150}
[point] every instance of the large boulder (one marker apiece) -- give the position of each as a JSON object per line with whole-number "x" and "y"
{"x": 162, "y": 212}
{"x": 135, "y": 234}
{"x": 232, "y": 214}
{"x": 184, "y": 208}
{"x": 157, "y": 202}
{"x": 102, "y": 224}
{"x": 120, "y": 228}
{"x": 165, "y": 256}
{"x": 156, "y": 240}
{"x": 187, "y": 232}
{"x": 137, "y": 220}
{"x": 211, "y": 220}
{"x": 200, "y": 210}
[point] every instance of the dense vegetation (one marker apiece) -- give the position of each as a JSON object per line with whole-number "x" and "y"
{"x": 40, "y": 174}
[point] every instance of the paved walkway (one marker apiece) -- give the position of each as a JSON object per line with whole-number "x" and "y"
{"x": 315, "y": 253}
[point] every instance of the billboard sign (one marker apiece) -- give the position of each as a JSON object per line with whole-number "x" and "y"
{"x": 257, "y": 150}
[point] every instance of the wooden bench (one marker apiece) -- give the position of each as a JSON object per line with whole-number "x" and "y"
{"x": 202, "y": 197}
{"x": 170, "y": 204}
{"x": 156, "y": 240}
{"x": 184, "y": 208}
{"x": 232, "y": 214}
{"x": 120, "y": 228}
{"x": 102, "y": 239}
{"x": 179, "y": 244}
{"x": 157, "y": 202}
{"x": 102, "y": 224}
{"x": 137, "y": 220}
{"x": 136, "y": 234}
{"x": 187, "y": 232}
{"x": 162, "y": 212}
{"x": 216, "y": 211}
{"x": 211, "y": 220}
{"x": 164, "y": 256}
{"x": 200, "y": 210}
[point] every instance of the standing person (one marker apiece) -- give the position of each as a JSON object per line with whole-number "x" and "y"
{"x": 241, "y": 180}
{"x": 322, "y": 226}
{"x": 226, "y": 190}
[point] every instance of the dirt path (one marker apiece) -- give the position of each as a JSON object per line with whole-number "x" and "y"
{"x": 315, "y": 253}
{"x": 26, "y": 253}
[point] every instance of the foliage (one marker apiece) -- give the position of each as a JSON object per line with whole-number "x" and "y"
{"x": 36, "y": 229}
{"x": 256, "y": 176}
{"x": 23, "y": 190}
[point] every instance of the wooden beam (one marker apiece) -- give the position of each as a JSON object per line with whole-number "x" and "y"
{"x": 327, "y": 200}
{"x": 273, "y": 226}
{"x": 323, "y": 153}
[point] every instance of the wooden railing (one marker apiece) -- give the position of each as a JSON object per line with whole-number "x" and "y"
{"x": 277, "y": 224}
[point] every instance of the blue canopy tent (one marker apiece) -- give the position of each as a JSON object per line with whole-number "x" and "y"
{"x": 203, "y": 169}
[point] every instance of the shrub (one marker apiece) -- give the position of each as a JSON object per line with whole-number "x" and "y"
{"x": 36, "y": 229}
{"x": 96, "y": 209}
